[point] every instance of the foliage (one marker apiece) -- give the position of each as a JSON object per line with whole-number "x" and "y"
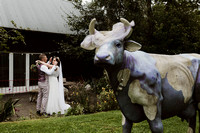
{"x": 10, "y": 37}
{"x": 7, "y": 109}
{"x": 80, "y": 60}
{"x": 81, "y": 99}
{"x": 74, "y": 51}
{"x": 103, "y": 122}
{"x": 177, "y": 27}
{"x": 162, "y": 26}
{"x": 107, "y": 13}
{"x": 23, "y": 118}
{"x": 92, "y": 96}
{"x": 106, "y": 100}
{"x": 102, "y": 82}
{"x": 77, "y": 109}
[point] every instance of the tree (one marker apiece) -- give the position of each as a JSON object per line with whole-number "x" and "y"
{"x": 162, "y": 26}
{"x": 9, "y": 37}
{"x": 177, "y": 26}
{"x": 107, "y": 13}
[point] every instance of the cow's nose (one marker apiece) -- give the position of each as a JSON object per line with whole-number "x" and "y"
{"x": 102, "y": 56}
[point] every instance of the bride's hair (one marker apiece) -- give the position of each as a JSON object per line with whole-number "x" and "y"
{"x": 57, "y": 59}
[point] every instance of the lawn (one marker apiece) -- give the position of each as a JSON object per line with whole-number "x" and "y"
{"x": 104, "y": 122}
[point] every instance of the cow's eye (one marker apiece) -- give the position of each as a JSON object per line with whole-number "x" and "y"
{"x": 118, "y": 45}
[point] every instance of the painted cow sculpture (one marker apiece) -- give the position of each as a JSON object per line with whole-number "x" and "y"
{"x": 148, "y": 87}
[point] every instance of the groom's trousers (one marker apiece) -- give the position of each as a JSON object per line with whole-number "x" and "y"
{"x": 43, "y": 94}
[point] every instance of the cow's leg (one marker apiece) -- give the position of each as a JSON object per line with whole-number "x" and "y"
{"x": 156, "y": 125}
{"x": 190, "y": 114}
{"x": 126, "y": 125}
{"x": 192, "y": 124}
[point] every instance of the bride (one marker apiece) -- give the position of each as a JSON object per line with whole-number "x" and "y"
{"x": 56, "y": 102}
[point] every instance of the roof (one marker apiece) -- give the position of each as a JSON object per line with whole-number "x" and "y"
{"x": 37, "y": 15}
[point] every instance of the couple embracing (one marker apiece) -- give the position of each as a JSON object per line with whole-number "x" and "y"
{"x": 51, "y": 91}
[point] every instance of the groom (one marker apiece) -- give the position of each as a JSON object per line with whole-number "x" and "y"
{"x": 43, "y": 85}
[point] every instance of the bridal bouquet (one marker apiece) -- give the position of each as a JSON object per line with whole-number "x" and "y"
{"x": 33, "y": 68}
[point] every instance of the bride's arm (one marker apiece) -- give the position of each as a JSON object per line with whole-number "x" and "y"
{"x": 46, "y": 64}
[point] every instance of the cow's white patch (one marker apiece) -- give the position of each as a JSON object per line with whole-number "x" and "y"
{"x": 176, "y": 68}
{"x": 181, "y": 79}
{"x": 123, "y": 119}
{"x": 123, "y": 77}
{"x": 194, "y": 58}
{"x": 150, "y": 111}
{"x": 140, "y": 96}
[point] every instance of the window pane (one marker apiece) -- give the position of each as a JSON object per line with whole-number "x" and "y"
{"x": 19, "y": 69}
{"x": 4, "y": 69}
{"x": 33, "y": 75}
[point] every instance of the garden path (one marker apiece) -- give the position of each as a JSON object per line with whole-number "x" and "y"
{"x": 25, "y": 108}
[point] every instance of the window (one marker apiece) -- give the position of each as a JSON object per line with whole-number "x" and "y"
{"x": 4, "y": 70}
{"x": 33, "y": 75}
{"x": 15, "y": 74}
{"x": 19, "y": 69}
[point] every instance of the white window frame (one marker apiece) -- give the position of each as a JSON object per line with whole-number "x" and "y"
{"x": 11, "y": 71}
{"x": 18, "y": 89}
{"x": 27, "y": 72}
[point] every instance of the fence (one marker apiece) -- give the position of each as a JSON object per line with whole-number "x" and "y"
{"x": 19, "y": 88}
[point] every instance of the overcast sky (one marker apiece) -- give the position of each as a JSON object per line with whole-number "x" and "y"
{"x": 87, "y": 1}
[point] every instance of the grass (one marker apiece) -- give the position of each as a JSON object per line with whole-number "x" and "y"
{"x": 104, "y": 122}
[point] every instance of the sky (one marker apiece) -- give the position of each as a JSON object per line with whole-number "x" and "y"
{"x": 86, "y": 1}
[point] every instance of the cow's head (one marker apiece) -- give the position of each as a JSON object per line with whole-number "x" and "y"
{"x": 110, "y": 45}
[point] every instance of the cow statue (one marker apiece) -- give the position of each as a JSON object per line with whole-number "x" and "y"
{"x": 148, "y": 87}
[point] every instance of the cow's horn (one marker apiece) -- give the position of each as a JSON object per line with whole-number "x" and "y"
{"x": 91, "y": 26}
{"x": 125, "y": 22}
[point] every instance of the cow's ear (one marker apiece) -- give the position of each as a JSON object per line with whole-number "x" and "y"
{"x": 132, "y": 45}
{"x": 88, "y": 43}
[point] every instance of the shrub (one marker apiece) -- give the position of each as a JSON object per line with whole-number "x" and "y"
{"x": 7, "y": 108}
{"x": 93, "y": 96}
{"x": 107, "y": 100}
{"x": 97, "y": 84}
{"x": 81, "y": 98}
{"x": 76, "y": 109}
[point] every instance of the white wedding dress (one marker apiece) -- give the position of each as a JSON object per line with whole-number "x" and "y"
{"x": 56, "y": 102}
